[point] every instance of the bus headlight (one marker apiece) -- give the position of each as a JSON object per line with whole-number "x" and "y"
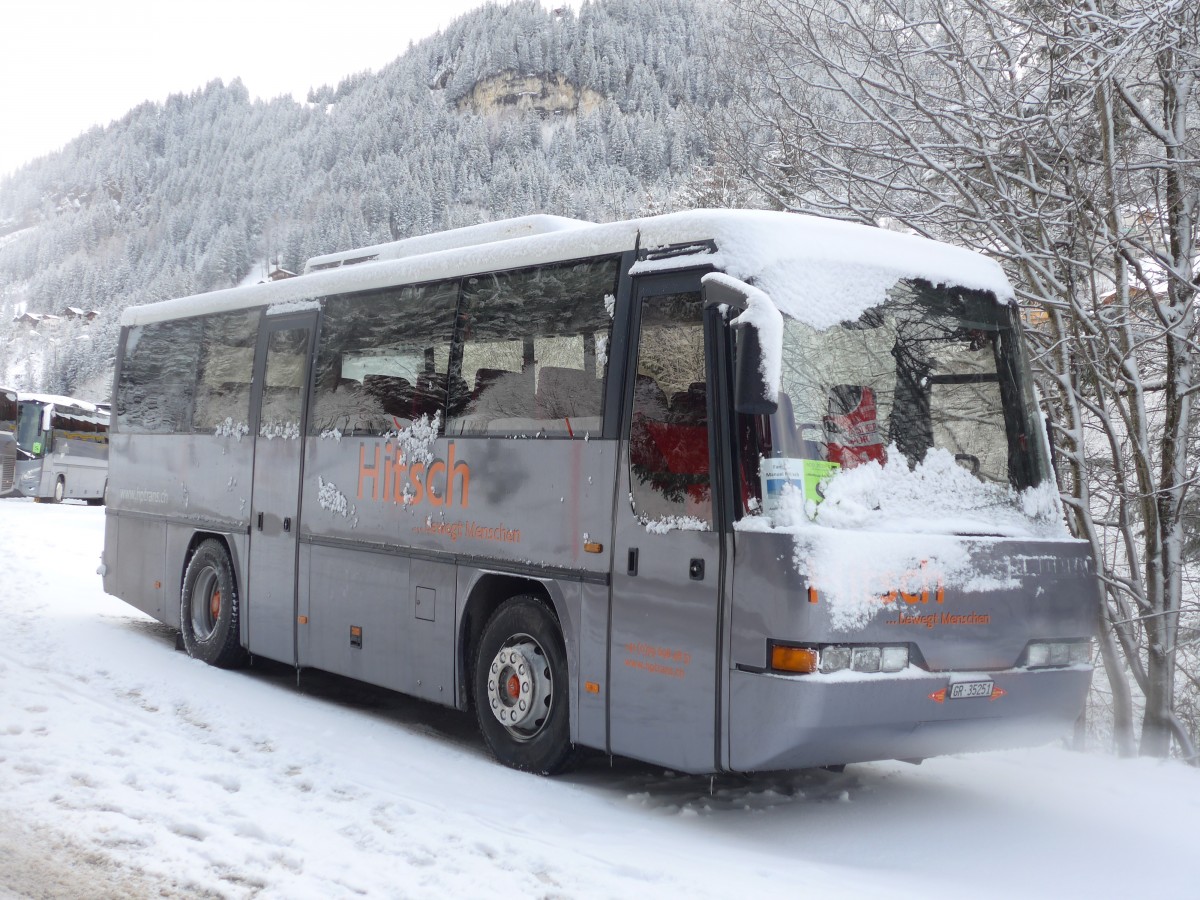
{"x": 864, "y": 658}
{"x": 1057, "y": 654}
{"x": 834, "y": 659}
{"x": 1081, "y": 653}
{"x": 895, "y": 659}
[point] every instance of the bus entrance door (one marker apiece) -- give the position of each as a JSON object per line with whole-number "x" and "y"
{"x": 663, "y": 672}
{"x": 281, "y": 381}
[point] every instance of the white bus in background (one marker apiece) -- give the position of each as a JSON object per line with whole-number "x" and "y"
{"x": 62, "y": 448}
{"x": 8, "y": 442}
{"x": 720, "y": 490}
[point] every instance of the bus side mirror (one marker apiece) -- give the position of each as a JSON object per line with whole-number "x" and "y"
{"x": 751, "y": 393}
{"x": 47, "y": 416}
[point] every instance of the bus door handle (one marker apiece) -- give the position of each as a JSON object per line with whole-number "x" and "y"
{"x": 287, "y": 523}
{"x": 260, "y": 521}
{"x": 633, "y": 561}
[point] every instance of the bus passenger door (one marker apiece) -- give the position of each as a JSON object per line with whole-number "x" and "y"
{"x": 281, "y": 376}
{"x": 667, "y": 562}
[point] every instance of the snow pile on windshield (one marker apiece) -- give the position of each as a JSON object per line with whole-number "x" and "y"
{"x": 936, "y": 496}
{"x": 908, "y": 525}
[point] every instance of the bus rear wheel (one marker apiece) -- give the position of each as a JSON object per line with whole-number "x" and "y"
{"x": 520, "y": 688}
{"x": 208, "y": 608}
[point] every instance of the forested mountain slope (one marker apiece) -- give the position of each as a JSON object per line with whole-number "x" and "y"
{"x": 510, "y": 110}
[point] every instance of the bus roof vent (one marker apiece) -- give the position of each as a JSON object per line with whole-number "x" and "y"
{"x": 695, "y": 248}
{"x": 338, "y": 263}
{"x": 471, "y": 236}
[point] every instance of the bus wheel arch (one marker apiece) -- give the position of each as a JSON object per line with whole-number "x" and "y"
{"x": 521, "y": 686}
{"x": 484, "y": 596}
{"x": 210, "y": 605}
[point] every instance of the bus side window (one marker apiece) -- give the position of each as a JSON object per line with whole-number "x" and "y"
{"x": 383, "y": 359}
{"x": 157, "y": 381}
{"x": 225, "y": 371}
{"x": 668, "y": 435}
{"x": 535, "y": 351}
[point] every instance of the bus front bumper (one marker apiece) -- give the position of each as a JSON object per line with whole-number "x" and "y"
{"x": 795, "y": 722}
{"x": 28, "y": 481}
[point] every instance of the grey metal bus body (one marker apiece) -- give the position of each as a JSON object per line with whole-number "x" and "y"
{"x": 8, "y": 464}
{"x": 517, "y": 470}
{"x": 62, "y": 449}
{"x": 8, "y": 442}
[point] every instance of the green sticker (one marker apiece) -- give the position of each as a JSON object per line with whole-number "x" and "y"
{"x": 816, "y": 471}
{"x": 37, "y": 447}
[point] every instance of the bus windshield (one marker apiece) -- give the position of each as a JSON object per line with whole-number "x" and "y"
{"x": 30, "y": 435}
{"x": 933, "y": 379}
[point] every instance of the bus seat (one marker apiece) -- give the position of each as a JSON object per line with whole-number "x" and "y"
{"x": 484, "y": 378}
{"x": 564, "y": 393}
{"x": 690, "y": 407}
{"x": 429, "y": 395}
{"x": 504, "y": 395}
{"x": 852, "y": 427}
{"x": 392, "y": 393}
{"x": 649, "y": 400}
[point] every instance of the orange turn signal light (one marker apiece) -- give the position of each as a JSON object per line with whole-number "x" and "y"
{"x": 794, "y": 659}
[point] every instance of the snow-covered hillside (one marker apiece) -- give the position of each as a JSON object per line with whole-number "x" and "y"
{"x": 127, "y": 769}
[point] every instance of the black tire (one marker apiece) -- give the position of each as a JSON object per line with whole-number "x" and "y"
{"x": 209, "y": 610}
{"x": 521, "y": 657}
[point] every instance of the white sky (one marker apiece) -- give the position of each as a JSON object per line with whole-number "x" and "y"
{"x": 72, "y": 64}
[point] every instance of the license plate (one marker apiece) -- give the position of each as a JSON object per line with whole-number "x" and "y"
{"x": 969, "y": 689}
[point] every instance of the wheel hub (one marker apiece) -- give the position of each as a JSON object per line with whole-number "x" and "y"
{"x": 519, "y": 687}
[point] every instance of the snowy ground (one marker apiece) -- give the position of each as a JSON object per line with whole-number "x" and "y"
{"x": 127, "y": 769}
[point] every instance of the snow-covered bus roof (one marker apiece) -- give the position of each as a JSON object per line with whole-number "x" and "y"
{"x": 470, "y": 236}
{"x": 67, "y": 406}
{"x": 820, "y": 271}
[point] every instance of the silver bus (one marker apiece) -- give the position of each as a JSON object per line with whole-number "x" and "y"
{"x": 718, "y": 490}
{"x": 8, "y": 443}
{"x": 62, "y": 448}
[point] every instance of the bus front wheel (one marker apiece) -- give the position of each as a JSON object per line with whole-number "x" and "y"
{"x": 208, "y": 608}
{"x": 60, "y": 489}
{"x": 520, "y": 688}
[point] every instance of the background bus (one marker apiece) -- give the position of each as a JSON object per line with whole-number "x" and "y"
{"x": 8, "y": 442}
{"x": 62, "y": 448}
{"x": 718, "y": 490}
